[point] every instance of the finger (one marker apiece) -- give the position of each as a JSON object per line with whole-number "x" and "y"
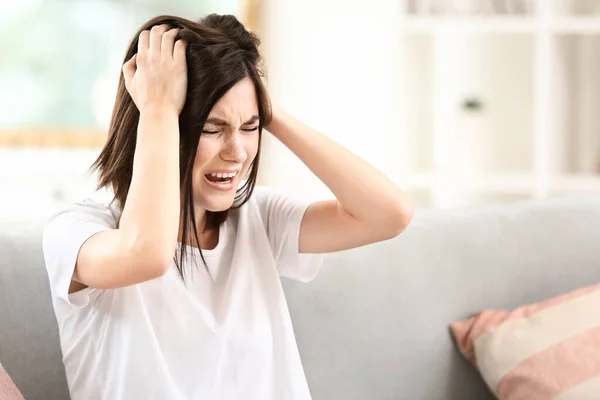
{"x": 156, "y": 37}
{"x": 168, "y": 42}
{"x": 179, "y": 51}
{"x": 129, "y": 69}
{"x": 143, "y": 42}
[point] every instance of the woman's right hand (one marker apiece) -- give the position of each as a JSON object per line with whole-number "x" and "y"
{"x": 156, "y": 77}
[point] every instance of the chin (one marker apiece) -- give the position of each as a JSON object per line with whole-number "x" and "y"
{"x": 221, "y": 208}
{"x": 217, "y": 203}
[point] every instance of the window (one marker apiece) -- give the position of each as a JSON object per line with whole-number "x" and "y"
{"x": 61, "y": 62}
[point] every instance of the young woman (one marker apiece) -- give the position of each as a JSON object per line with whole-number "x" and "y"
{"x": 172, "y": 291}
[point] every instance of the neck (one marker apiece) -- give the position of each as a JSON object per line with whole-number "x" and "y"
{"x": 201, "y": 227}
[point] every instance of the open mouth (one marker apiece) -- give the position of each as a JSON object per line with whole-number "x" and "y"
{"x": 221, "y": 177}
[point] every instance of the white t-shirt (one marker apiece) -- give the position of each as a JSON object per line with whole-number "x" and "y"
{"x": 224, "y": 334}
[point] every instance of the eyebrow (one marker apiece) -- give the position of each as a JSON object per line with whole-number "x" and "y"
{"x": 221, "y": 122}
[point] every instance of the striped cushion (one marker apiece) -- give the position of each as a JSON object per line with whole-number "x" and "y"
{"x": 8, "y": 390}
{"x": 542, "y": 351}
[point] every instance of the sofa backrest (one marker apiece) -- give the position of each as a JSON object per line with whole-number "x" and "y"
{"x": 29, "y": 344}
{"x": 374, "y": 323}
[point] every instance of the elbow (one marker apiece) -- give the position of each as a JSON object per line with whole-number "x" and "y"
{"x": 156, "y": 263}
{"x": 399, "y": 218}
{"x": 151, "y": 260}
{"x": 163, "y": 262}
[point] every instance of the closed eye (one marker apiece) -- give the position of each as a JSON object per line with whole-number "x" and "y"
{"x": 210, "y": 132}
{"x": 250, "y": 129}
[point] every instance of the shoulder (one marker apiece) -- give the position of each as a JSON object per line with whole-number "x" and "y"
{"x": 276, "y": 208}
{"x": 268, "y": 200}
{"x": 261, "y": 194}
{"x": 259, "y": 206}
{"x": 88, "y": 211}
{"x": 264, "y": 197}
{"x": 260, "y": 199}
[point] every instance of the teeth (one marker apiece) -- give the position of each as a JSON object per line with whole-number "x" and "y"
{"x": 223, "y": 175}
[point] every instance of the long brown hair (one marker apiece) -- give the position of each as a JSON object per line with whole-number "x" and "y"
{"x": 220, "y": 52}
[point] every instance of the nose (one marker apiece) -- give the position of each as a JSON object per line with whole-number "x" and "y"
{"x": 233, "y": 149}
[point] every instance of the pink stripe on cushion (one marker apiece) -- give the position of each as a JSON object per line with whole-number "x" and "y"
{"x": 8, "y": 390}
{"x": 466, "y": 332}
{"x": 554, "y": 370}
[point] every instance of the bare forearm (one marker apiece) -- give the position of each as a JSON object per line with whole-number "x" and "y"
{"x": 362, "y": 190}
{"x": 150, "y": 217}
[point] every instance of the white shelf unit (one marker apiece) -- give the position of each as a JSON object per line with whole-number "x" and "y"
{"x": 500, "y": 107}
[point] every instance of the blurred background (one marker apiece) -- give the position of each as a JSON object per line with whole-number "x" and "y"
{"x": 462, "y": 102}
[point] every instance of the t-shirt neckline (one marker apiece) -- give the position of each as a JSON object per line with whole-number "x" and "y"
{"x": 212, "y": 252}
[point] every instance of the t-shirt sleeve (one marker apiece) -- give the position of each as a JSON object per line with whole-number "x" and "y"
{"x": 282, "y": 216}
{"x": 64, "y": 234}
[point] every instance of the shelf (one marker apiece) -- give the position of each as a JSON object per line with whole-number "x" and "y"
{"x": 475, "y": 24}
{"x": 580, "y": 8}
{"x": 575, "y": 183}
{"x": 508, "y": 183}
{"x": 500, "y": 25}
{"x": 501, "y": 107}
{"x": 501, "y": 183}
{"x": 576, "y": 25}
{"x": 485, "y": 199}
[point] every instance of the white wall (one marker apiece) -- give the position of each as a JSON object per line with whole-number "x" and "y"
{"x": 332, "y": 64}
{"x": 34, "y": 184}
{"x": 337, "y": 65}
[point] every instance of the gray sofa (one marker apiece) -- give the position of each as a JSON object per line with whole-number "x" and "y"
{"x": 373, "y": 325}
